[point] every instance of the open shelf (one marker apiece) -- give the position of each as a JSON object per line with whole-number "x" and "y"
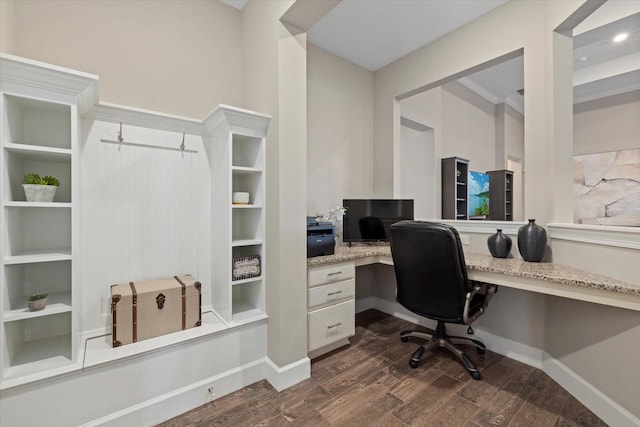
{"x": 247, "y": 223}
{"x": 37, "y": 344}
{"x": 32, "y": 231}
{"x": 246, "y": 242}
{"x": 37, "y": 122}
{"x": 20, "y": 162}
{"x": 37, "y": 205}
{"x": 57, "y": 302}
{"x": 44, "y": 255}
{"x": 247, "y": 152}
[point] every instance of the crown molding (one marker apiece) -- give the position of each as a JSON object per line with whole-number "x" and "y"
{"x": 138, "y": 117}
{"x": 238, "y": 120}
{"x": 27, "y": 72}
{"x": 621, "y": 237}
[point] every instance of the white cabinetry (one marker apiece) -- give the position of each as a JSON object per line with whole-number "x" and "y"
{"x": 237, "y": 158}
{"x": 331, "y": 306}
{"x": 39, "y": 244}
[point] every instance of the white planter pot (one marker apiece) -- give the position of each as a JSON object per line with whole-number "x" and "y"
{"x": 39, "y": 193}
{"x": 37, "y": 305}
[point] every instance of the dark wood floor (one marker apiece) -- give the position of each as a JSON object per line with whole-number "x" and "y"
{"x": 370, "y": 383}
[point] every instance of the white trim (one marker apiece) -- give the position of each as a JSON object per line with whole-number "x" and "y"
{"x": 489, "y": 96}
{"x": 115, "y": 113}
{"x": 602, "y": 405}
{"x": 621, "y": 237}
{"x": 512, "y": 349}
{"x": 183, "y": 399}
{"x": 288, "y": 375}
{"x": 484, "y": 227}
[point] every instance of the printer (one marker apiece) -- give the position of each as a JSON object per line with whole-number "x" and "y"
{"x": 321, "y": 237}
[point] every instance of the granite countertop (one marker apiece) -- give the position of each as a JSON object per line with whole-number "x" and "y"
{"x": 547, "y": 271}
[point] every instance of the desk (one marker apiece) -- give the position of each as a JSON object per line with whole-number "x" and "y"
{"x": 541, "y": 277}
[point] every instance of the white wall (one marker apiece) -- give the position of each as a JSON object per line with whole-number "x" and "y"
{"x": 179, "y": 57}
{"x": 141, "y": 215}
{"x": 339, "y": 131}
{"x": 607, "y": 124}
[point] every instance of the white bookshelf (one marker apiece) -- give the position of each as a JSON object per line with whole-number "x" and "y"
{"x": 237, "y": 159}
{"x": 39, "y": 109}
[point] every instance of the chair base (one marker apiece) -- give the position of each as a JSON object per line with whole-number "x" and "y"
{"x": 439, "y": 338}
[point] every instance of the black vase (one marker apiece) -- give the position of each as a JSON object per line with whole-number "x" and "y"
{"x": 532, "y": 241}
{"x": 499, "y": 244}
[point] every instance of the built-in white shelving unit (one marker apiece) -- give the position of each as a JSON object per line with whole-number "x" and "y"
{"x": 39, "y": 109}
{"x": 237, "y": 159}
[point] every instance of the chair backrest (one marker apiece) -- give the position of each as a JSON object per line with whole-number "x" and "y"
{"x": 431, "y": 274}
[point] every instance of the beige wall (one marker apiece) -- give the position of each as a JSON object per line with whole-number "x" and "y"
{"x": 7, "y": 25}
{"x": 607, "y": 124}
{"x": 179, "y": 57}
{"x": 468, "y": 127}
{"x": 274, "y": 75}
{"x": 339, "y": 132}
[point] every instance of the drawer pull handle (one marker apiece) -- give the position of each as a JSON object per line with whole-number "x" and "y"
{"x": 334, "y": 293}
{"x": 334, "y": 326}
{"x": 334, "y": 274}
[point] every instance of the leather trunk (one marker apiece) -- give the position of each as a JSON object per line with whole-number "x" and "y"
{"x": 144, "y": 310}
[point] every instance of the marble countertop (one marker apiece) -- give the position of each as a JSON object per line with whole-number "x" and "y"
{"x": 546, "y": 271}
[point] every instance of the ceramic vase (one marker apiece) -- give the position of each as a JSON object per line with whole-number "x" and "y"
{"x": 532, "y": 241}
{"x": 499, "y": 244}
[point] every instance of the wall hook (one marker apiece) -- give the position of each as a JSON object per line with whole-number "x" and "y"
{"x": 182, "y": 145}
{"x": 120, "y": 137}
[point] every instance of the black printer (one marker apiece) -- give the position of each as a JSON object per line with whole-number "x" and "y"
{"x": 321, "y": 237}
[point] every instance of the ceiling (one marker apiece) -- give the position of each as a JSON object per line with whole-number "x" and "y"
{"x": 374, "y": 33}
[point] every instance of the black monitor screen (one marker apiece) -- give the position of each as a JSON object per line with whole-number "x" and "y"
{"x": 368, "y": 220}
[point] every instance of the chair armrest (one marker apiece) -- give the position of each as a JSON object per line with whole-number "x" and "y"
{"x": 488, "y": 290}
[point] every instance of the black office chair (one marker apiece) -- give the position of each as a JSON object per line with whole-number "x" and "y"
{"x": 432, "y": 281}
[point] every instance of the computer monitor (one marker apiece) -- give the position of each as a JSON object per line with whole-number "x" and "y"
{"x": 368, "y": 220}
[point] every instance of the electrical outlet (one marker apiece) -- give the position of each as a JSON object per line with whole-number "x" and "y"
{"x": 464, "y": 238}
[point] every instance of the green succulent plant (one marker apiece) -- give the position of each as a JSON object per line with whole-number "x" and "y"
{"x": 35, "y": 179}
{"x": 36, "y": 297}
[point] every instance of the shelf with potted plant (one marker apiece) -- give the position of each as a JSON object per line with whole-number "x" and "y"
{"x": 57, "y": 302}
{"x": 39, "y": 239}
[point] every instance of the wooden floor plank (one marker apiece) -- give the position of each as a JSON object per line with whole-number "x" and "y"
{"x": 369, "y": 383}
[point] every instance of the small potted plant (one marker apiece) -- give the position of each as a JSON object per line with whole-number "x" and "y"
{"x": 39, "y": 189}
{"x": 37, "y": 302}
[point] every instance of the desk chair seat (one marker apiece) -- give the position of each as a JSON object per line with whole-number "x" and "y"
{"x": 432, "y": 282}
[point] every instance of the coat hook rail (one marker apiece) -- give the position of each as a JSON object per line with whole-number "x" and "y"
{"x": 120, "y": 141}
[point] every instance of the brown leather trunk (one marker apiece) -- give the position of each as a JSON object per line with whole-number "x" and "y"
{"x": 144, "y": 310}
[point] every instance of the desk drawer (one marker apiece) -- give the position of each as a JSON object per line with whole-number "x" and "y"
{"x": 331, "y": 292}
{"x": 331, "y": 324}
{"x": 331, "y": 273}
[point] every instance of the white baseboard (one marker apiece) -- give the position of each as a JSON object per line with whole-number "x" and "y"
{"x": 291, "y": 374}
{"x": 184, "y": 399}
{"x": 600, "y": 404}
{"x": 603, "y": 406}
{"x": 512, "y": 349}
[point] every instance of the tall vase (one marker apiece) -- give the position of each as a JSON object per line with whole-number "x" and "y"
{"x": 532, "y": 241}
{"x": 499, "y": 244}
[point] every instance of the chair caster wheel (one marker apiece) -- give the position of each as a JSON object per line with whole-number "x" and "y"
{"x": 413, "y": 364}
{"x": 404, "y": 339}
{"x": 475, "y": 375}
{"x": 480, "y": 350}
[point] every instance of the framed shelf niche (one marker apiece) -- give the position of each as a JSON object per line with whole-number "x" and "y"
{"x": 237, "y": 160}
{"x": 40, "y": 109}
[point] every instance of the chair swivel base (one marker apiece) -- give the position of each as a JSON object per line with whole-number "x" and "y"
{"x": 439, "y": 338}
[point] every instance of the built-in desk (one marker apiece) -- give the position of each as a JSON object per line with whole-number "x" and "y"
{"x": 542, "y": 277}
